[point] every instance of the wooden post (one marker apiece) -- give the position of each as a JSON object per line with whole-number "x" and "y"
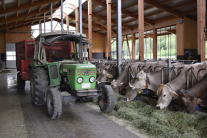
{"x": 141, "y": 29}
{"x": 128, "y": 47}
{"x": 77, "y": 20}
{"x": 67, "y": 22}
{"x": 108, "y": 3}
{"x": 154, "y": 43}
{"x": 201, "y": 25}
{"x": 133, "y": 45}
{"x": 180, "y": 40}
{"x": 90, "y": 26}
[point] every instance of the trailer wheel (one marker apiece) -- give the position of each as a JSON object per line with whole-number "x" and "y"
{"x": 107, "y": 100}
{"x": 54, "y": 103}
{"x": 20, "y": 83}
{"x": 38, "y": 85}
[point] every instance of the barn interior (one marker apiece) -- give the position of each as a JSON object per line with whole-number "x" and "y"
{"x": 122, "y": 36}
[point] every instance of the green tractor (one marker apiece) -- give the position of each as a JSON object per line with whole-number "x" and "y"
{"x": 60, "y": 71}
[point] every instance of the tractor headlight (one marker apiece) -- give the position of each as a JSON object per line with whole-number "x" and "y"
{"x": 92, "y": 79}
{"x": 80, "y": 80}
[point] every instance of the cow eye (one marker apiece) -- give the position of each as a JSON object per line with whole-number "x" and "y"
{"x": 164, "y": 95}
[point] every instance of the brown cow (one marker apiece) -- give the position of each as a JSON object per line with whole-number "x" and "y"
{"x": 189, "y": 99}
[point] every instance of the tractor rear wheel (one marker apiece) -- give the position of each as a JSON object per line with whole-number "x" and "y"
{"x": 107, "y": 100}
{"x": 20, "y": 83}
{"x": 54, "y": 103}
{"x": 38, "y": 85}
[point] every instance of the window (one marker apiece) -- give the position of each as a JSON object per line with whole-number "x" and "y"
{"x": 113, "y": 46}
{"x": 10, "y": 55}
{"x": 127, "y": 46}
{"x": 148, "y": 45}
{"x": 137, "y": 46}
{"x": 166, "y": 43}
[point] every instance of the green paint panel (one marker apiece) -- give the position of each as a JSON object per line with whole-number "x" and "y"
{"x": 74, "y": 71}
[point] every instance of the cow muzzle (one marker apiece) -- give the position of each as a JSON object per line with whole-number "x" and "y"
{"x": 158, "y": 107}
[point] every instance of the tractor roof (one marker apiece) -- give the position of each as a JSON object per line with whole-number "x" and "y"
{"x": 50, "y": 38}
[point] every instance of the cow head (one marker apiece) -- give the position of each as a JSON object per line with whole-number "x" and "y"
{"x": 139, "y": 81}
{"x": 187, "y": 102}
{"x": 165, "y": 95}
{"x": 103, "y": 76}
{"x": 136, "y": 85}
{"x": 115, "y": 85}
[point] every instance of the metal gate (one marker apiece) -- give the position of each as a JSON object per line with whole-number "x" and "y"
{"x": 10, "y": 55}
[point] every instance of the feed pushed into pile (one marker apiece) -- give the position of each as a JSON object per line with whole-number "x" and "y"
{"x": 159, "y": 123}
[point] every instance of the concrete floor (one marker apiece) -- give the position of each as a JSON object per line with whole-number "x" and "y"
{"x": 20, "y": 119}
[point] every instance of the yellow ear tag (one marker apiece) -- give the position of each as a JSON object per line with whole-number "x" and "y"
{"x": 174, "y": 95}
{"x": 140, "y": 91}
{"x": 196, "y": 100}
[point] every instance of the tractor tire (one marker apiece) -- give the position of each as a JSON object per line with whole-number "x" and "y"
{"x": 107, "y": 100}
{"x": 20, "y": 83}
{"x": 54, "y": 103}
{"x": 38, "y": 85}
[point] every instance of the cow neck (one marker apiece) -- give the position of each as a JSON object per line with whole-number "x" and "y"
{"x": 154, "y": 80}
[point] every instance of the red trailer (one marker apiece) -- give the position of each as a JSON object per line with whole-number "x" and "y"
{"x": 24, "y": 56}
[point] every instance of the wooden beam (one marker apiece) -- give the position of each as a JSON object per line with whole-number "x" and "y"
{"x": 95, "y": 5}
{"x": 26, "y": 6}
{"x": 108, "y": 3}
{"x": 200, "y": 28}
{"x": 32, "y": 1}
{"x": 130, "y": 14}
{"x": 17, "y": 13}
{"x": 184, "y": 4}
{"x": 145, "y": 9}
{"x": 40, "y": 7}
{"x": 189, "y": 11}
{"x": 29, "y": 10}
{"x": 95, "y": 25}
{"x": 18, "y": 3}
{"x": 3, "y": 5}
{"x": 154, "y": 43}
{"x": 15, "y": 24}
{"x": 13, "y": 18}
{"x": 164, "y": 8}
{"x": 104, "y": 18}
{"x": 103, "y": 25}
{"x": 130, "y": 6}
{"x": 133, "y": 45}
{"x": 165, "y": 2}
{"x": 128, "y": 48}
{"x": 141, "y": 29}
{"x": 90, "y": 31}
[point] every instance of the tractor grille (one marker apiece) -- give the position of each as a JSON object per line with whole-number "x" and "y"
{"x": 54, "y": 72}
{"x": 81, "y": 72}
{"x": 71, "y": 72}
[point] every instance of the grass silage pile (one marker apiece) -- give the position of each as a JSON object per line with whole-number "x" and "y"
{"x": 159, "y": 123}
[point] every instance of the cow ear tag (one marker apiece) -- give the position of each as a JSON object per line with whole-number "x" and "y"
{"x": 196, "y": 101}
{"x": 110, "y": 76}
{"x": 197, "y": 108}
{"x": 146, "y": 92}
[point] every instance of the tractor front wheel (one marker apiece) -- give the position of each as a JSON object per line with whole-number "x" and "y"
{"x": 107, "y": 100}
{"x": 54, "y": 103}
{"x": 20, "y": 83}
